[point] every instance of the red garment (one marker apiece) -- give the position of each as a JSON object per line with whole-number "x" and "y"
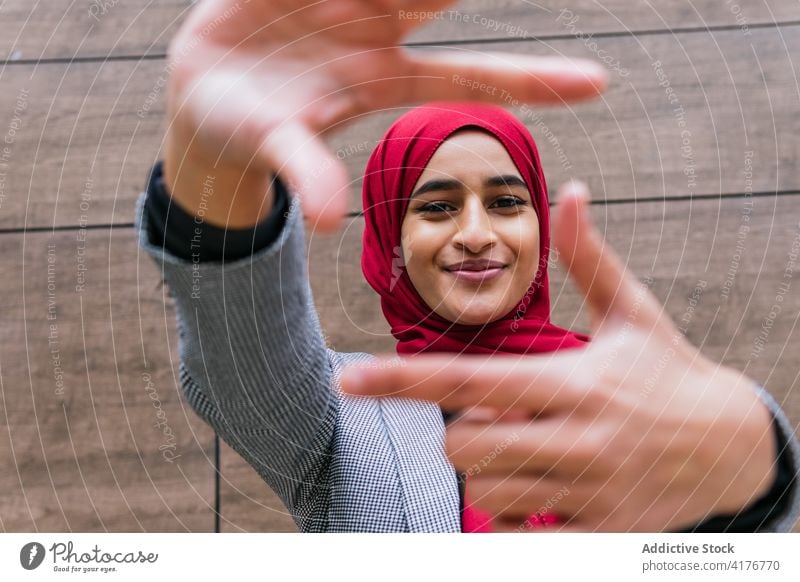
{"x": 391, "y": 175}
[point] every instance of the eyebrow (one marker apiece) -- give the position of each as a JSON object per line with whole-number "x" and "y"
{"x": 439, "y": 185}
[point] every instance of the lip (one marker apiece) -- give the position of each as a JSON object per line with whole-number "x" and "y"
{"x": 475, "y": 265}
{"x": 478, "y": 276}
{"x": 476, "y": 270}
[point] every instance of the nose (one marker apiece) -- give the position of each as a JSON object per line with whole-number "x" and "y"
{"x": 474, "y": 228}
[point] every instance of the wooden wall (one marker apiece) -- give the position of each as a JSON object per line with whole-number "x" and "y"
{"x": 692, "y": 155}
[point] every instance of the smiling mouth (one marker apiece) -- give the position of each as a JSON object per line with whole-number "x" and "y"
{"x": 477, "y": 276}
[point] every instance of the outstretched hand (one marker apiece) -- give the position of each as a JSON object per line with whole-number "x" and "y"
{"x": 255, "y": 84}
{"x": 635, "y": 432}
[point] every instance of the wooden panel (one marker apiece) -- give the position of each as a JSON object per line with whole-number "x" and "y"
{"x": 99, "y": 28}
{"x": 84, "y": 452}
{"x": 78, "y": 128}
{"x": 79, "y": 141}
{"x": 87, "y": 28}
{"x": 476, "y": 19}
{"x": 95, "y": 434}
{"x": 247, "y": 504}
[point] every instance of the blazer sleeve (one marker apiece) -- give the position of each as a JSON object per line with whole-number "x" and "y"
{"x": 785, "y": 504}
{"x": 253, "y": 359}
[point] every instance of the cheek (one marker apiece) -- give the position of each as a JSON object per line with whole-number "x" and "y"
{"x": 423, "y": 243}
{"x": 524, "y": 241}
{"x": 419, "y": 248}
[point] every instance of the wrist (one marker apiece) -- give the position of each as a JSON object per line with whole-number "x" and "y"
{"x": 224, "y": 196}
{"x": 751, "y": 440}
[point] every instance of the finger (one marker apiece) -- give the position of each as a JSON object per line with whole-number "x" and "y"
{"x": 552, "y": 446}
{"x": 421, "y": 6}
{"x": 566, "y": 523}
{"x": 235, "y": 120}
{"x": 488, "y": 414}
{"x": 534, "y": 524}
{"x": 611, "y": 291}
{"x": 451, "y": 74}
{"x": 514, "y": 525}
{"x": 460, "y": 381}
{"x": 521, "y": 499}
{"x": 559, "y": 528}
{"x": 474, "y": 414}
{"x": 311, "y": 171}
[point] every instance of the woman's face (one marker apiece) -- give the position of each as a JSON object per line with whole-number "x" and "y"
{"x": 470, "y": 236}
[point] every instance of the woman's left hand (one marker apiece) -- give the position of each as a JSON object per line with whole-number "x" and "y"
{"x": 638, "y": 431}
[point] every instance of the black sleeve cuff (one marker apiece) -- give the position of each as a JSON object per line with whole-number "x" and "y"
{"x": 763, "y": 511}
{"x": 191, "y": 239}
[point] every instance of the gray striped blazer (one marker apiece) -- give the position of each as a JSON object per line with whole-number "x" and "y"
{"x": 254, "y": 365}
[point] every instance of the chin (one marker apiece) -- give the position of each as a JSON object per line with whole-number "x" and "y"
{"x": 477, "y": 314}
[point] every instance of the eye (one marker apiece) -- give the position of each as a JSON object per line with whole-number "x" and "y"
{"x": 436, "y": 207}
{"x": 510, "y": 202}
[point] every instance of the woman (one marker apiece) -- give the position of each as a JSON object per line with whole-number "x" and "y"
{"x": 456, "y": 238}
{"x": 458, "y": 192}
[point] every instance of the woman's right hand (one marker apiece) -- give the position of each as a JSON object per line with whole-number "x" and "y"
{"x": 254, "y": 84}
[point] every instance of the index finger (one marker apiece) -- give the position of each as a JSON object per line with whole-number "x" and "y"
{"x": 534, "y": 382}
{"x": 496, "y": 77}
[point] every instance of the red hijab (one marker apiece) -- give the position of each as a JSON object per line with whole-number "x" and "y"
{"x": 391, "y": 174}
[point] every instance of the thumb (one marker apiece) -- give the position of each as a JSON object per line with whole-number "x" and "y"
{"x": 311, "y": 171}
{"x": 611, "y": 290}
